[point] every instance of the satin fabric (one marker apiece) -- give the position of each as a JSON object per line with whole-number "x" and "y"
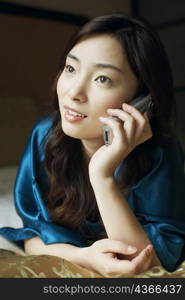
{"x": 158, "y": 201}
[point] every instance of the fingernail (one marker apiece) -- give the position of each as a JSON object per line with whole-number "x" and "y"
{"x": 125, "y": 105}
{"x": 149, "y": 250}
{"x": 131, "y": 248}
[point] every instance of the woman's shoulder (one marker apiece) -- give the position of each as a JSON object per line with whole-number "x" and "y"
{"x": 168, "y": 162}
{"x": 38, "y": 136}
{"x": 161, "y": 191}
{"x": 166, "y": 158}
{"x": 43, "y": 124}
{"x": 170, "y": 153}
{"x": 41, "y": 127}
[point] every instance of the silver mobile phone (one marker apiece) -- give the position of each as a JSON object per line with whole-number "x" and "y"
{"x": 142, "y": 103}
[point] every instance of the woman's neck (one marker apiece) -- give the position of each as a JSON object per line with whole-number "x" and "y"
{"x": 90, "y": 147}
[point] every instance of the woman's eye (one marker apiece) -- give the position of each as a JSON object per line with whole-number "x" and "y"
{"x": 104, "y": 79}
{"x": 69, "y": 69}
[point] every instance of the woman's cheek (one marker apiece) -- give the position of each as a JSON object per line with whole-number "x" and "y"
{"x": 111, "y": 103}
{"x": 114, "y": 98}
{"x": 63, "y": 85}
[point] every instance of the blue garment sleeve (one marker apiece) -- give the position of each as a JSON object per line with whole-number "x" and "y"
{"x": 31, "y": 181}
{"x": 158, "y": 201}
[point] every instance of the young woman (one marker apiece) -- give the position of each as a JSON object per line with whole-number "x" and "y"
{"x": 116, "y": 209}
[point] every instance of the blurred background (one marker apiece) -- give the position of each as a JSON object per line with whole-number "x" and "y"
{"x": 33, "y": 34}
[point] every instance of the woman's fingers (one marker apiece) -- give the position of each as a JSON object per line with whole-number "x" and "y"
{"x": 137, "y": 265}
{"x": 111, "y": 266}
{"x": 147, "y": 132}
{"x": 128, "y": 121}
{"x": 143, "y": 260}
{"x": 143, "y": 129}
{"x": 136, "y": 124}
{"x": 117, "y": 130}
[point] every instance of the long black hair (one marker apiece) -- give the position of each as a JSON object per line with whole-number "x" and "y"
{"x": 71, "y": 198}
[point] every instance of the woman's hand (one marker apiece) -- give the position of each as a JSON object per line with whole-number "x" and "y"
{"x": 101, "y": 257}
{"x": 132, "y": 130}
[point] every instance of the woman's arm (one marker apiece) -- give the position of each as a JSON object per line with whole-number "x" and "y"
{"x": 99, "y": 257}
{"x": 35, "y": 246}
{"x": 119, "y": 220}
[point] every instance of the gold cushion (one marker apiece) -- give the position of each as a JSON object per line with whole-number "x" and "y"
{"x": 13, "y": 265}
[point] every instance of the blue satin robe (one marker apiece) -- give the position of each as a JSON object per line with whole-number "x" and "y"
{"x": 158, "y": 201}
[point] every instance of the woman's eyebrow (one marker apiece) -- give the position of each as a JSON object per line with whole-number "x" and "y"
{"x": 108, "y": 66}
{"x": 73, "y": 57}
{"x": 98, "y": 65}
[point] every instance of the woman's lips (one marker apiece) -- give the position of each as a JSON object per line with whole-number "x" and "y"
{"x": 73, "y": 116}
{"x": 72, "y": 110}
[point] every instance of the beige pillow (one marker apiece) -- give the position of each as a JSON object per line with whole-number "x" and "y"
{"x": 47, "y": 266}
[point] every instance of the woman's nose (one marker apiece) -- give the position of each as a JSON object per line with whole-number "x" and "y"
{"x": 78, "y": 91}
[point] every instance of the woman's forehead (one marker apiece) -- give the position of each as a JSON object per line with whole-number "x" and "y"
{"x": 103, "y": 48}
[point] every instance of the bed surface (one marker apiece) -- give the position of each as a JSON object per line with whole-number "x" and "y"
{"x": 8, "y": 215}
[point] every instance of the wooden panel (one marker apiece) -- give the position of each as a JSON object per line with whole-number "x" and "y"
{"x": 80, "y": 7}
{"x": 157, "y": 11}
{"x": 174, "y": 40}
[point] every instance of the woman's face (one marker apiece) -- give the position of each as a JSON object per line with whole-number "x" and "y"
{"x": 96, "y": 77}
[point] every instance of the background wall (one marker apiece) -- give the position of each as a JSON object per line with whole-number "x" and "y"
{"x": 79, "y": 7}
{"x": 168, "y": 17}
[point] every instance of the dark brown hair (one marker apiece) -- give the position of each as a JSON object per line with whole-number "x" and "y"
{"x": 71, "y": 198}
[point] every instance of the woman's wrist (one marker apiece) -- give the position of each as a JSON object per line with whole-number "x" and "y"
{"x": 100, "y": 180}
{"x": 75, "y": 254}
{"x": 83, "y": 256}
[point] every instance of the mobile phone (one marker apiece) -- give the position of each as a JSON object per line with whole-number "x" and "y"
{"x": 142, "y": 103}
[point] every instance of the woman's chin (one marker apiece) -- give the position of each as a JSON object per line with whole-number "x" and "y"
{"x": 80, "y": 133}
{"x": 72, "y": 132}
